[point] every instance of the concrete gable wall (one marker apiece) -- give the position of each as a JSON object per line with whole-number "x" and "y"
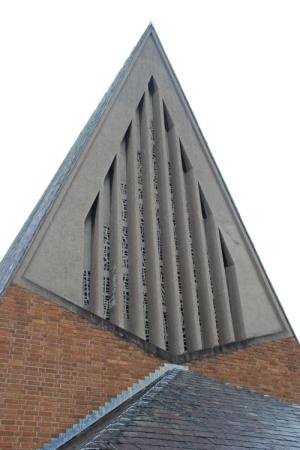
{"x": 54, "y": 263}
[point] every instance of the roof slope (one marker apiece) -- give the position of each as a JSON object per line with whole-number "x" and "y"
{"x": 186, "y": 410}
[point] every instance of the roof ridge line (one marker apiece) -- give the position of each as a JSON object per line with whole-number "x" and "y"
{"x": 109, "y": 406}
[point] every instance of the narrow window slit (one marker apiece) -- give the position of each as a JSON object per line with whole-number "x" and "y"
{"x": 167, "y": 119}
{"x": 206, "y": 211}
{"x": 233, "y": 291}
{"x": 106, "y": 271}
{"x": 152, "y": 86}
{"x": 186, "y": 165}
{"x": 89, "y": 224}
{"x": 227, "y": 259}
{"x": 124, "y": 221}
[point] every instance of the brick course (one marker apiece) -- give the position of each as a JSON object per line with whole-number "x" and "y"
{"x": 55, "y": 367}
{"x": 271, "y": 368}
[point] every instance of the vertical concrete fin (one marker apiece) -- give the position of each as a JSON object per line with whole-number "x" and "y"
{"x": 202, "y": 273}
{"x": 116, "y": 261}
{"x": 176, "y": 326}
{"x": 135, "y": 262}
{"x": 184, "y": 248}
{"x": 105, "y": 237}
{"x": 157, "y": 330}
{"x": 96, "y": 300}
{"x": 122, "y": 167}
{"x": 218, "y": 276}
{"x": 89, "y": 224}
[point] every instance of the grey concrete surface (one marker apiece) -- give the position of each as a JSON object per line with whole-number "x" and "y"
{"x": 189, "y": 292}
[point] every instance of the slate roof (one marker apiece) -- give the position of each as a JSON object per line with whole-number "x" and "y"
{"x": 188, "y": 411}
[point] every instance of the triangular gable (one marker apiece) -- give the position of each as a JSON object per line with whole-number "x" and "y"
{"x": 139, "y": 227}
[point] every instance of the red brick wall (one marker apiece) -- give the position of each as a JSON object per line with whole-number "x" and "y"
{"x": 56, "y": 367}
{"x": 272, "y": 368}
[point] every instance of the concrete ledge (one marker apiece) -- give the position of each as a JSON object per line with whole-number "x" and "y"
{"x": 147, "y": 346}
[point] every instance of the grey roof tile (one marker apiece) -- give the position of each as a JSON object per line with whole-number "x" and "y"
{"x": 188, "y": 411}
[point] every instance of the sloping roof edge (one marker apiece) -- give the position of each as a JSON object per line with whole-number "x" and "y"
{"x": 108, "y": 407}
{"x": 22, "y": 242}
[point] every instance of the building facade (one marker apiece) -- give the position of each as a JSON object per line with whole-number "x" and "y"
{"x": 135, "y": 255}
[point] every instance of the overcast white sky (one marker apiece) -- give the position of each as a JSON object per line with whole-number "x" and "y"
{"x": 239, "y": 64}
